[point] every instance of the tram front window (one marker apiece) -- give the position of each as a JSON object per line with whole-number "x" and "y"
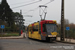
{"x": 49, "y": 28}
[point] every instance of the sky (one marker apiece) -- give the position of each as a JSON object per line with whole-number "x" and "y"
{"x": 53, "y": 10}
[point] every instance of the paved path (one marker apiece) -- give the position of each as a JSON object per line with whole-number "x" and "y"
{"x": 29, "y": 44}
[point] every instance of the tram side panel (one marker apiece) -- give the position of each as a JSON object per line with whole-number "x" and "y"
{"x": 35, "y": 32}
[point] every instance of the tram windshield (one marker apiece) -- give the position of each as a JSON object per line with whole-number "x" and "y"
{"x": 49, "y": 28}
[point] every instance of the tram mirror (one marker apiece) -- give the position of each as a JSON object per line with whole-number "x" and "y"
{"x": 43, "y": 25}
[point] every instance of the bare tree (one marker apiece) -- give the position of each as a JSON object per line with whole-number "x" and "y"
{"x": 66, "y": 22}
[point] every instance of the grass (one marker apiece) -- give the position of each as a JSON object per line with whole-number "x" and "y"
{"x": 12, "y": 34}
{"x": 9, "y": 34}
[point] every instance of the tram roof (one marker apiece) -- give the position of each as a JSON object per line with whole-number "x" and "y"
{"x": 43, "y": 21}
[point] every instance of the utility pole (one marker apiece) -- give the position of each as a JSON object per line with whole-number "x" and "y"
{"x": 62, "y": 22}
{"x": 21, "y": 20}
{"x": 20, "y": 23}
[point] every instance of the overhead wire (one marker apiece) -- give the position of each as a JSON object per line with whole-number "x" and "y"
{"x": 30, "y": 4}
{"x": 38, "y": 7}
{"x": 46, "y": 4}
{"x": 32, "y": 10}
{"x": 26, "y": 4}
{"x": 21, "y": 2}
{"x": 49, "y": 2}
{"x": 44, "y": 9}
{"x": 33, "y": 3}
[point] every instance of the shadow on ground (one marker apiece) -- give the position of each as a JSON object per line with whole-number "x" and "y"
{"x": 43, "y": 41}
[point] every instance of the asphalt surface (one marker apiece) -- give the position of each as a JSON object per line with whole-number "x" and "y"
{"x": 30, "y": 44}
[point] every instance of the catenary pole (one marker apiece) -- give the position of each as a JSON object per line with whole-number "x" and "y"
{"x": 62, "y": 22}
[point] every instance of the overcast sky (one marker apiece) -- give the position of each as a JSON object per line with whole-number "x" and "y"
{"x": 53, "y": 9}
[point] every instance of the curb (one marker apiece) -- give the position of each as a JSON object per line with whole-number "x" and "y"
{"x": 65, "y": 42}
{"x": 12, "y": 37}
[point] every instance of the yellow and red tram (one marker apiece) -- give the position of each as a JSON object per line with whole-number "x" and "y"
{"x": 43, "y": 30}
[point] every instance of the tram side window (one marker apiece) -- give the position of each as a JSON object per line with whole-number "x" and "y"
{"x": 35, "y": 28}
{"x": 29, "y": 28}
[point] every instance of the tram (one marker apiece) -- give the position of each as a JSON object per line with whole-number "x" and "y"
{"x": 43, "y": 30}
